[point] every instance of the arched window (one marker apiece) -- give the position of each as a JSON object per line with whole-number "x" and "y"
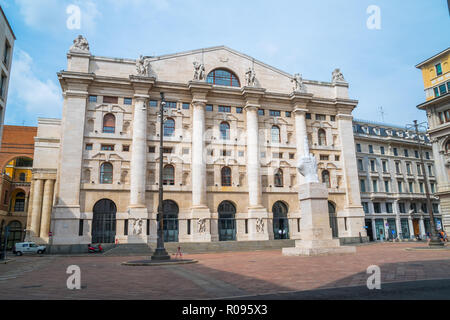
{"x": 322, "y": 137}
{"x": 225, "y": 131}
{"x": 169, "y": 175}
{"x": 326, "y": 178}
{"x": 169, "y": 127}
{"x": 106, "y": 173}
{"x": 109, "y": 123}
{"x": 223, "y": 78}
{"x": 280, "y": 220}
{"x": 278, "y": 178}
{"x": 275, "y": 134}
{"x": 226, "y": 177}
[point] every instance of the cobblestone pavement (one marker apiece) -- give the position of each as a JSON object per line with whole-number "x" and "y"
{"x": 217, "y": 275}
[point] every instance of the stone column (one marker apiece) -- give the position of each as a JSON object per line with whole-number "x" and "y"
{"x": 411, "y": 228}
{"x": 29, "y": 212}
{"x": 36, "y": 209}
{"x": 138, "y": 153}
{"x": 47, "y": 203}
{"x": 198, "y": 156}
{"x": 300, "y": 134}
{"x": 374, "y": 230}
{"x": 422, "y": 227}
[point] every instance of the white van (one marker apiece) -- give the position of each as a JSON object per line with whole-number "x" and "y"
{"x": 27, "y": 247}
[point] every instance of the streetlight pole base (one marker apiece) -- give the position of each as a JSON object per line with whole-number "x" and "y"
{"x": 160, "y": 254}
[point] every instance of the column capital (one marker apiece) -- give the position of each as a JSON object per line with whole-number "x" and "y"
{"x": 199, "y": 103}
{"x": 251, "y": 107}
{"x": 299, "y": 110}
{"x": 141, "y": 85}
{"x": 342, "y": 116}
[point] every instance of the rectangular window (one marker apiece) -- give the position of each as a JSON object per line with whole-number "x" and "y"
{"x": 406, "y": 153}
{"x": 275, "y": 113}
{"x": 375, "y": 185}
{"x": 382, "y": 150}
{"x": 336, "y": 158}
{"x": 148, "y": 227}
{"x": 411, "y": 187}
{"x": 365, "y": 207}
{"x": 226, "y": 153}
{"x": 80, "y": 227}
{"x": 277, "y": 155}
{"x": 419, "y": 172}
{"x": 376, "y": 207}
{"x": 324, "y": 157}
{"x": 151, "y": 149}
{"x": 261, "y": 112}
{"x": 171, "y": 105}
{"x": 402, "y": 207}
{"x": 370, "y": 148}
{"x": 358, "y": 147}
{"x": 246, "y": 225}
{"x": 5, "y": 200}
{"x": 125, "y": 148}
{"x": 395, "y": 152}
{"x": 125, "y": 227}
{"x": 362, "y": 184}
{"x": 308, "y": 116}
{"x": 109, "y": 99}
{"x": 291, "y": 156}
{"x": 436, "y": 92}
{"x": 384, "y": 164}
{"x": 188, "y": 222}
{"x": 430, "y": 170}
{"x": 442, "y": 89}
{"x": 92, "y": 98}
{"x": 263, "y": 154}
{"x": 288, "y": 114}
{"x": 427, "y": 155}
{"x": 438, "y": 69}
{"x": 153, "y": 103}
{"x": 386, "y": 186}
{"x": 224, "y": 109}
{"x": 433, "y": 190}
{"x": 435, "y": 208}
{"x": 128, "y": 101}
{"x": 186, "y": 106}
{"x": 241, "y": 153}
{"x": 238, "y": 110}
{"x": 167, "y": 150}
{"x": 397, "y": 167}
{"x": 360, "y": 165}
{"x": 2, "y": 86}
{"x": 400, "y": 186}
{"x": 421, "y": 187}
{"x": 408, "y": 168}
{"x": 320, "y": 117}
{"x": 209, "y": 107}
{"x": 416, "y": 154}
{"x": 6, "y": 53}
{"x": 332, "y": 118}
{"x": 413, "y": 207}
{"x": 388, "y": 207}
{"x": 88, "y": 146}
{"x": 372, "y": 165}
{"x": 107, "y": 147}
{"x": 185, "y": 151}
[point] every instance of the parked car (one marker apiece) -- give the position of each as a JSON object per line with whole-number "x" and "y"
{"x": 27, "y": 247}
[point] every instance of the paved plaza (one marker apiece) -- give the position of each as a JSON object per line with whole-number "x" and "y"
{"x": 219, "y": 275}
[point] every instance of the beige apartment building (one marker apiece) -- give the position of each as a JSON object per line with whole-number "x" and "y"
{"x": 392, "y": 183}
{"x": 234, "y": 129}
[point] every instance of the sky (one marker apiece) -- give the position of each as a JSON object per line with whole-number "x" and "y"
{"x": 308, "y": 37}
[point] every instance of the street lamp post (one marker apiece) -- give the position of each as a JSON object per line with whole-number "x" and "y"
{"x": 160, "y": 252}
{"x": 435, "y": 241}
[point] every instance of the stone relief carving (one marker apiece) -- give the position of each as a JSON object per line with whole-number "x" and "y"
{"x": 307, "y": 165}
{"x": 259, "y": 225}
{"x": 201, "y": 225}
{"x": 137, "y": 226}
{"x": 143, "y": 66}
{"x": 199, "y": 71}
{"x": 337, "y": 76}
{"x": 80, "y": 44}
{"x": 298, "y": 83}
{"x": 250, "y": 77}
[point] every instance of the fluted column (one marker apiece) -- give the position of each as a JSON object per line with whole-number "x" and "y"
{"x": 47, "y": 207}
{"x": 37, "y": 206}
{"x": 138, "y": 153}
{"x": 411, "y": 228}
{"x": 422, "y": 227}
{"x": 253, "y": 165}
{"x": 374, "y": 230}
{"x": 198, "y": 155}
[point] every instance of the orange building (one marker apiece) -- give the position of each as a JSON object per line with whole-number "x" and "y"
{"x": 16, "y": 161}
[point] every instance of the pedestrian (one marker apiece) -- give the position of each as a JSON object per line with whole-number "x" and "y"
{"x": 445, "y": 237}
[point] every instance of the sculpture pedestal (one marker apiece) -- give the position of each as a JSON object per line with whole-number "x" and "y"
{"x": 316, "y": 236}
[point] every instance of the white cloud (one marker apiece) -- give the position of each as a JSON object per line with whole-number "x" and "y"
{"x": 39, "y": 98}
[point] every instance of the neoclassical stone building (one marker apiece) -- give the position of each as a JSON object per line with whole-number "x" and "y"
{"x": 234, "y": 128}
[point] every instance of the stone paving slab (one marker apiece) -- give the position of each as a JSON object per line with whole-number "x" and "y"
{"x": 217, "y": 275}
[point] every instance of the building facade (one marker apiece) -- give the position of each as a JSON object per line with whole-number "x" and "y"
{"x": 392, "y": 183}
{"x": 436, "y": 79}
{"x": 16, "y": 160}
{"x": 234, "y": 129}
{"x": 7, "y": 39}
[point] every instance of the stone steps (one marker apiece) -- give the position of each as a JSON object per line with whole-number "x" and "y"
{"x": 199, "y": 247}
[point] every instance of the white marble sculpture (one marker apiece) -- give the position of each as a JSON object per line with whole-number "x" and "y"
{"x": 259, "y": 225}
{"x": 137, "y": 226}
{"x": 199, "y": 71}
{"x": 298, "y": 83}
{"x": 337, "y": 76}
{"x": 307, "y": 165}
{"x": 80, "y": 44}
{"x": 201, "y": 225}
{"x": 250, "y": 77}
{"x": 143, "y": 66}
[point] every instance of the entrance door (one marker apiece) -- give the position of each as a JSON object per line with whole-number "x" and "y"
{"x": 333, "y": 219}
{"x": 416, "y": 227}
{"x": 104, "y": 222}
{"x": 379, "y": 228}
{"x": 369, "y": 230}
{"x": 392, "y": 227}
{"x": 14, "y": 234}
{"x": 280, "y": 221}
{"x": 227, "y": 221}
{"x": 170, "y": 209}
{"x": 405, "y": 228}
